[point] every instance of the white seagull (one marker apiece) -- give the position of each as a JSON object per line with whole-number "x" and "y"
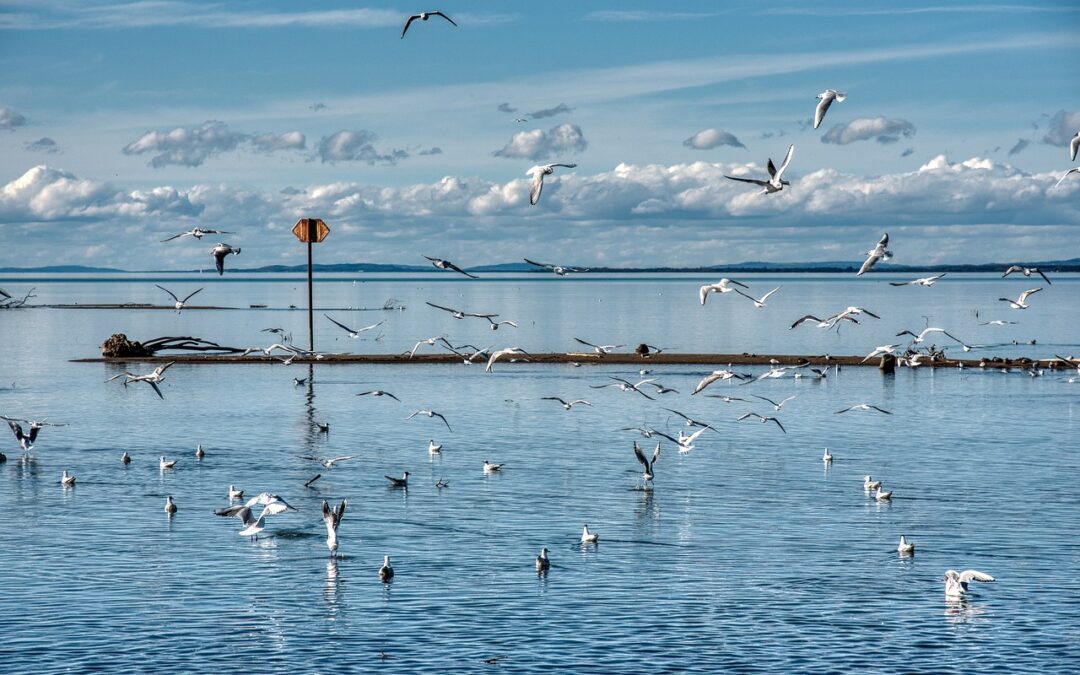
{"x": 870, "y": 484}
{"x": 429, "y": 342}
{"x": 881, "y": 351}
{"x": 863, "y": 406}
{"x": 234, "y": 493}
{"x": 447, "y": 265}
{"x": 67, "y": 480}
{"x": 649, "y": 464}
{"x": 599, "y": 349}
{"x": 763, "y": 419}
{"x": 558, "y": 270}
{"x": 956, "y": 583}
{"x": 759, "y": 303}
{"x": 722, "y": 286}
{"x": 1021, "y": 302}
{"x": 589, "y": 537}
{"x": 538, "y": 173}
{"x": 827, "y": 97}
{"x": 489, "y": 467}
{"x": 429, "y": 413}
{"x": 776, "y": 406}
{"x": 153, "y": 379}
{"x": 433, "y": 447}
{"x": 567, "y": 405}
{"x": 332, "y": 518}
{"x": 717, "y": 375}
{"x": 423, "y": 16}
{"x": 1026, "y": 271}
{"x": 196, "y": 232}
{"x": 905, "y": 547}
{"x": 26, "y": 441}
{"x": 1066, "y": 175}
{"x": 922, "y": 336}
{"x": 1074, "y": 145}
{"x": 354, "y": 334}
{"x": 827, "y": 457}
{"x": 925, "y": 281}
{"x": 219, "y": 252}
{"x": 875, "y": 254}
{"x": 379, "y": 392}
{"x": 166, "y": 464}
{"x": 495, "y": 356}
{"x": 775, "y": 182}
{"x": 625, "y": 385}
{"x": 882, "y": 496}
{"x": 179, "y": 304}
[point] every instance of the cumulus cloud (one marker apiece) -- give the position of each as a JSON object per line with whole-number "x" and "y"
{"x": 707, "y": 139}
{"x": 550, "y": 112}
{"x": 191, "y": 146}
{"x": 1059, "y": 131}
{"x": 879, "y": 129}
{"x": 506, "y": 108}
{"x": 9, "y": 119}
{"x": 539, "y": 144}
{"x": 1020, "y": 146}
{"x": 355, "y": 146}
{"x": 43, "y": 144}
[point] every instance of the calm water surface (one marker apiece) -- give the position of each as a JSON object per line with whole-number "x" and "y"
{"x": 748, "y": 554}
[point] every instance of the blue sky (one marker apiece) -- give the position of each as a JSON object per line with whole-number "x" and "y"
{"x": 127, "y": 122}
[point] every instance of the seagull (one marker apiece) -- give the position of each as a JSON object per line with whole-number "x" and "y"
{"x": 863, "y": 406}
{"x": 559, "y": 270}
{"x": 1026, "y": 271}
{"x": 996, "y": 322}
{"x": 332, "y": 518}
{"x": 538, "y": 173}
{"x": 25, "y": 441}
{"x": 179, "y": 303}
{"x": 542, "y": 562}
{"x": 459, "y": 314}
{"x": 272, "y": 503}
{"x": 904, "y": 547}
{"x": 492, "y": 468}
{"x": 153, "y": 379}
{"x": 1074, "y": 144}
{"x": 386, "y": 573}
{"x": 717, "y": 375}
{"x": 433, "y": 447}
{"x": 685, "y": 443}
{"x": 649, "y": 464}
{"x": 599, "y": 349}
{"x": 5, "y": 294}
{"x": 1066, "y": 175}
{"x": 956, "y": 583}
{"x": 379, "y": 392}
{"x": 882, "y": 496}
{"x": 354, "y": 334}
{"x": 824, "y": 323}
{"x": 429, "y": 413}
{"x": 125, "y": 459}
{"x": 165, "y": 465}
{"x": 925, "y": 281}
{"x": 624, "y": 385}
{"x": 196, "y": 232}
{"x": 589, "y": 537}
{"x": 427, "y": 341}
{"x": 323, "y": 427}
{"x": 170, "y": 505}
{"x": 776, "y": 406}
{"x": 441, "y": 483}
{"x": 757, "y": 303}
{"x": 423, "y": 16}
{"x": 869, "y": 484}
{"x": 827, "y": 97}
{"x": 67, "y": 480}
{"x": 565, "y": 404}
{"x": 645, "y": 433}
{"x": 854, "y": 310}
{"x": 219, "y": 252}
{"x": 1021, "y": 302}
{"x": 690, "y": 422}
{"x": 495, "y": 324}
{"x": 661, "y": 389}
{"x": 199, "y": 452}
{"x": 827, "y": 457}
{"x": 722, "y": 286}
{"x": 922, "y": 336}
{"x": 298, "y": 381}
{"x": 402, "y": 482}
{"x": 877, "y": 253}
{"x": 495, "y": 356}
{"x": 329, "y": 462}
{"x": 234, "y": 493}
{"x": 447, "y": 265}
{"x": 775, "y": 183}
{"x": 725, "y": 398}
{"x": 763, "y": 420}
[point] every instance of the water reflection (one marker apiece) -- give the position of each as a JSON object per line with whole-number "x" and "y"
{"x": 330, "y": 590}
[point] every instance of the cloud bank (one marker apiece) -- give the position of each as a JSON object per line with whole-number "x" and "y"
{"x": 191, "y": 146}
{"x": 539, "y": 144}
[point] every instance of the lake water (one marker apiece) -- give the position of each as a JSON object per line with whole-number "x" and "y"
{"x": 748, "y": 554}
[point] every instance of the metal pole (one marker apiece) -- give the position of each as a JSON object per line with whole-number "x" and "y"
{"x": 310, "y": 306}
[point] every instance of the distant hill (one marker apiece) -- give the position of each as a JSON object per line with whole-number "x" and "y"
{"x": 60, "y": 269}
{"x": 339, "y": 267}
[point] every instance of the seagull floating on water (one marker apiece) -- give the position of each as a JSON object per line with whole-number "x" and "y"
{"x": 827, "y": 457}
{"x": 538, "y": 173}
{"x": 234, "y": 493}
{"x": 219, "y": 252}
{"x": 332, "y": 518}
{"x": 67, "y": 480}
{"x": 492, "y": 468}
{"x": 196, "y": 232}
{"x": 433, "y": 447}
{"x": 125, "y": 459}
{"x": 164, "y": 464}
{"x": 447, "y": 265}
{"x": 542, "y": 562}
{"x": 905, "y": 547}
{"x": 956, "y": 583}
{"x": 386, "y": 573}
{"x": 199, "y": 452}
{"x": 875, "y": 254}
{"x": 882, "y": 496}
{"x": 170, "y": 505}
{"x": 827, "y": 97}
{"x": 402, "y": 482}
{"x": 179, "y": 304}
{"x": 775, "y": 182}
{"x": 589, "y": 537}
{"x": 423, "y": 16}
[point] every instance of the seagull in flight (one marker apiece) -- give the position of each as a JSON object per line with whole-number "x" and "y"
{"x": 1026, "y": 271}
{"x": 776, "y": 406}
{"x": 925, "y": 281}
{"x": 684, "y": 441}
{"x": 219, "y": 252}
{"x": 423, "y": 16}
{"x": 196, "y": 232}
{"x": 329, "y": 462}
{"x": 447, "y": 265}
{"x": 764, "y": 419}
{"x": 430, "y": 342}
{"x": 599, "y": 349}
{"x": 26, "y": 441}
{"x": 153, "y": 379}
{"x": 460, "y": 314}
{"x": 538, "y": 173}
{"x": 827, "y": 97}
{"x": 649, "y": 464}
{"x": 1066, "y": 175}
{"x": 717, "y": 375}
{"x": 956, "y": 583}
{"x": 430, "y": 413}
{"x": 1074, "y": 145}
{"x": 691, "y": 422}
{"x": 379, "y": 392}
{"x": 495, "y": 356}
{"x": 332, "y": 518}
{"x": 722, "y": 286}
{"x": 996, "y": 322}
{"x": 922, "y": 336}
{"x": 624, "y": 385}
{"x": 567, "y": 405}
{"x": 875, "y": 254}
{"x": 757, "y": 303}
{"x": 881, "y": 351}
{"x": 558, "y": 270}
{"x": 354, "y": 334}
{"x": 1021, "y": 302}
{"x": 775, "y": 183}
{"x": 179, "y": 303}
{"x": 863, "y": 406}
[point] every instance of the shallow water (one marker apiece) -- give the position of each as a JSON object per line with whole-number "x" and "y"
{"x": 748, "y": 553}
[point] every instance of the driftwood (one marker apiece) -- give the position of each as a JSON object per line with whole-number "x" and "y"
{"x": 118, "y": 345}
{"x": 10, "y": 302}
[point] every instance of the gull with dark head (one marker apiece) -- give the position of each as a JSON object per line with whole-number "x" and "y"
{"x": 178, "y": 303}
{"x": 589, "y": 537}
{"x": 763, "y": 419}
{"x": 625, "y": 385}
{"x": 827, "y": 97}
{"x": 875, "y": 254}
{"x": 402, "y": 482}
{"x": 599, "y": 349}
{"x": 567, "y": 405}
{"x": 379, "y": 392}
{"x": 759, "y": 303}
{"x": 219, "y": 252}
{"x": 542, "y": 562}
{"x": 538, "y": 173}
{"x": 775, "y": 182}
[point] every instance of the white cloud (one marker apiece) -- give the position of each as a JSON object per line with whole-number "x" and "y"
{"x": 9, "y": 119}
{"x": 191, "y": 146}
{"x": 355, "y": 146}
{"x": 539, "y": 144}
{"x": 865, "y": 128}
{"x": 290, "y": 140}
{"x": 707, "y": 139}
{"x": 1061, "y": 128}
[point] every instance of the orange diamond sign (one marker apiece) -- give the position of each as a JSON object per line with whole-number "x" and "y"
{"x": 310, "y": 230}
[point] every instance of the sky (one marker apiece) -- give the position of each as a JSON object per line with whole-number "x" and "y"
{"x": 123, "y": 123}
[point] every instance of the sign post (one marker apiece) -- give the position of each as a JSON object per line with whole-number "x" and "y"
{"x": 311, "y": 231}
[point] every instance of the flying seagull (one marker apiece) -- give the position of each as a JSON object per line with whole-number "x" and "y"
{"x": 775, "y": 182}
{"x": 690, "y": 421}
{"x": 757, "y": 303}
{"x": 764, "y": 419}
{"x": 881, "y": 351}
{"x": 538, "y": 173}
{"x": 722, "y": 286}
{"x": 776, "y": 406}
{"x": 624, "y": 385}
{"x": 379, "y": 392}
{"x": 153, "y": 379}
{"x": 460, "y": 314}
{"x": 1021, "y": 302}
{"x": 219, "y": 252}
{"x": 495, "y": 356}
{"x": 599, "y": 349}
{"x": 427, "y": 341}
{"x": 567, "y": 405}
{"x": 827, "y": 97}
{"x": 879, "y": 252}
{"x": 863, "y": 406}
{"x": 424, "y": 16}
{"x": 429, "y": 413}
{"x": 179, "y": 303}
{"x": 447, "y": 265}
{"x": 1074, "y": 144}
{"x": 26, "y": 441}
{"x": 646, "y": 462}
{"x": 717, "y": 375}
{"x": 196, "y": 232}
{"x": 1066, "y": 175}
{"x": 332, "y": 518}
{"x": 926, "y": 331}
{"x": 925, "y": 281}
{"x": 1026, "y": 271}
{"x": 956, "y": 583}
{"x": 559, "y": 270}
{"x": 354, "y": 334}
